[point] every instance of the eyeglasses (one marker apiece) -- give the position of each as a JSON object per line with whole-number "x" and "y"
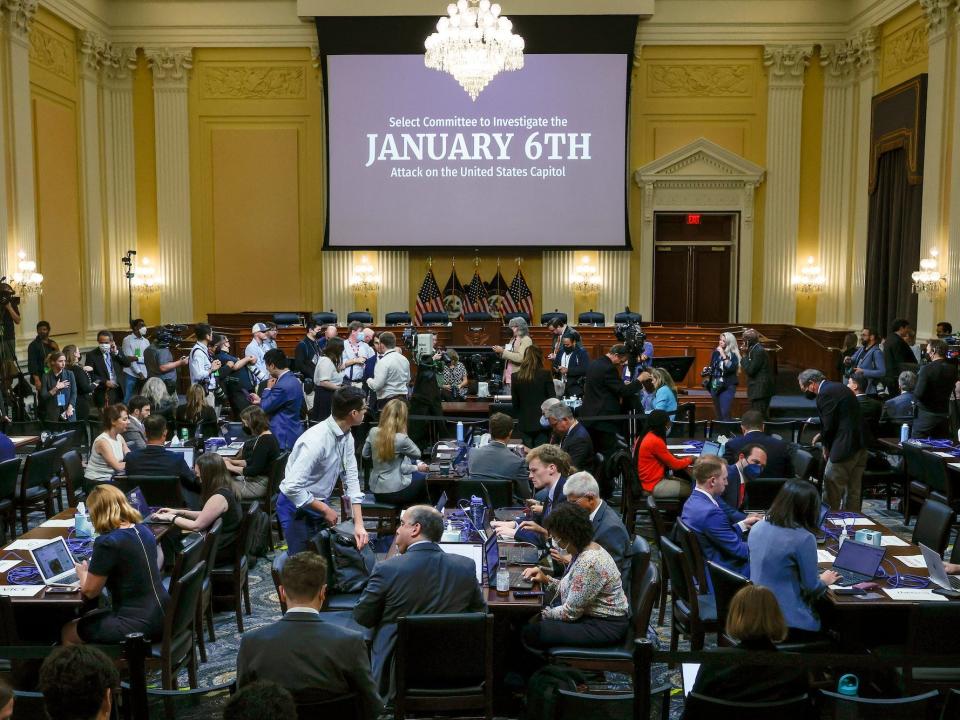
{"x": 404, "y": 523}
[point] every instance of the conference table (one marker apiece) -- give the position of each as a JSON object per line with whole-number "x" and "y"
{"x": 23, "y": 441}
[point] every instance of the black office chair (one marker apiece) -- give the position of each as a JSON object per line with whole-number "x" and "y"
{"x": 701, "y": 707}
{"x": 276, "y": 570}
{"x": 477, "y": 316}
{"x": 591, "y": 318}
{"x": 397, "y": 318}
{"x": 546, "y": 317}
{"x": 627, "y": 317}
{"x": 500, "y": 492}
{"x": 360, "y": 316}
{"x": 843, "y": 707}
{"x": 685, "y": 421}
{"x": 232, "y": 581}
{"x": 324, "y": 318}
{"x": 933, "y": 629}
{"x": 802, "y": 462}
{"x": 690, "y": 543}
{"x": 71, "y": 468}
{"x": 577, "y": 706}
{"x": 287, "y": 319}
{"x": 510, "y": 316}
{"x": 313, "y": 704}
{"x": 205, "y": 607}
{"x": 434, "y": 318}
{"x": 917, "y": 488}
{"x": 659, "y": 532}
{"x": 726, "y": 583}
{"x": 9, "y": 469}
{"x": 694, "y": 614}
{"x": 38, "y": 470}
{"x": 730, "y": 428}
{"x": 951, "y": 705}
{"x": 761, "y": 491}
{"x": 277, "y": 471}
{"x": 935, "y": 475}
{"x": 159, "y": 490}
{"x": 786, "y": 430}
{"x": 933, "y": 525}
{"x": 176, "y": 648}
{"x": 427, "y": 681}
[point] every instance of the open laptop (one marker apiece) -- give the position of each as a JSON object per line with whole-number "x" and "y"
{"x": 710, "y": 448}
{"x": 137, "y": 499}
{"x": 442, "y": 502}
{"x": 821, "y": 535}
{"x": 857, "y": 562}
{"x": 187, "y": 453}
{"x": 519, "y": 553}
{"x": 55, "y": 564}
{"x": 938, "y": 573}
{"x": 491, "y": 552}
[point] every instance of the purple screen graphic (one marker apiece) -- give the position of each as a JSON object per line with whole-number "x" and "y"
{"x": 538, "y": 160}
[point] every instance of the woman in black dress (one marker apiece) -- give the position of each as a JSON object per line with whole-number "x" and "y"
{"x": 530, "y": 385}
{"x": 252, "y": 468}
{"x": 126, "y": 561}
{"x": 219, "y": 501}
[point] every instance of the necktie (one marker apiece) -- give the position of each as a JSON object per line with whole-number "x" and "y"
{"x": 109, "y": 361}
{"x": 741, "y": 493}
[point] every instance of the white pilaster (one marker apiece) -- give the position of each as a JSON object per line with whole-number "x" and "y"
{"x": 786, "y": 65}
{"x": 120, "y": 176}
{"x": 17, "y": 17}
{"x": 934, "y": 154}
{"x": 92, "y": 49}
{"x": 836, "y": 170}
{"x": 394, "y": 292}
{"x": 865, "y": 44}
{"x": 171, "y": 67}
{"x": 953, "y": 243}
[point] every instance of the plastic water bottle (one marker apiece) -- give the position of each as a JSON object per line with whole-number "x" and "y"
{"x": 904, "y": 432}
{"x": 459, "y": 432}
{"x": 450, "y": 533}
{"x": 844, "y": 535}
{"x": 81, "y": 524}
{"x": 184, "y": 436}
{"x": 175, "y": 442}
{"x": 503, "y": 580}
{"x": 476, "y": 511}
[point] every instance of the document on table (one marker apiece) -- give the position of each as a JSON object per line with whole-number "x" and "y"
{"x": 688, "y": 454}
{"x": 893, "y": 541}
{"x": 914, "y": 561}
{"x": 68, "y": 523}
{"x": 28, "y": 590}
{"x": 954, "y": 465}
{"x": 824, "y": 556}
{"x": 7, "y": 564}
{"x": 914, "y": 595}
{"x": 27, "y": 544}
{"x": 851, "y": 521}
{"x": 681, "y": 447}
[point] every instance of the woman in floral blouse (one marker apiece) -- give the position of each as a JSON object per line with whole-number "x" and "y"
{"x": 589, "y": 608}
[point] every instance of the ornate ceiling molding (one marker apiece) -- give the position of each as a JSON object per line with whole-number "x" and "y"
{"x": 171, "y": 66}
{"x": 17, "y": 16}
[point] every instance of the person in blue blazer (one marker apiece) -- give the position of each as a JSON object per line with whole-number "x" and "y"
{"x": 282, "y": 400}
{"x": 718, "y": 526}
{"x": 570, "y": 364}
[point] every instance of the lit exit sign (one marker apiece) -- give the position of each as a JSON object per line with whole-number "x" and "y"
{"x": 693, "y": 219}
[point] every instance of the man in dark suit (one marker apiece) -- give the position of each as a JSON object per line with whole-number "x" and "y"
{"x": 608, "y": 530}
{"x": 749, "y": 464}
{"x": 756, "y": 365}
{"x": 301, "y": 652}
{"x": 935, "y": 383}
{"x": 778, "y": 457}
{"x": 895, "y": 352}
{"x": 156, "y": 461}
{"x": 900, "y": 407}
{"x": 603, "y": 392}
{"x": 495, "y": 461}
{"x": 106, "y": 363}
{"x": 870, "y": 407}
{"x": 421, "y": 579}
{"x": 549, "y": 467}
{"x": 575, "y": 441}
{"x": 841, "y": 435}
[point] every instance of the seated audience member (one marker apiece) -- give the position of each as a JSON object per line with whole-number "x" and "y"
{"x": 570, "y": 363}
{"x": 530, "y": 386}
{"x": 154, "y": 460}
{"x": 235, "y": 376}
{"x": 496, "y": 461}
{"x": 58, "y": 390}
{"x": 582, "y": 490}
{"x": 195, "y": 411}
{"x": 455, "y": 380}
{"x": 282, "y": 399}
{"x": 161, "y": 403}
{"x": 253, "y": 464}
{"x": 126, "y": 561}
{"x": 327, "y": 378}
{"x": 749, "y": 465}
{"x": 8, "y": 450}
{"x": 134, "y": 346}
{"x": 574, "y": 438}
{"x": 545, "y": 421}
{"x": 719, "y": 527}
{"x": 754, "y": 620}
{"x": 218, "y": 501}
{"x": 109, "y": 448}
{"x": 138, "y": 411}
{"x": 421, "y": 579}
{"x": 548, "y": 466}
{"x": 901, "y": 406}
{"x": 398, "y": 475}
{"x": 654, "y": 461}
{"x": 81, "y": 376}
{"x": 783, "y": 556}
{"x": 778, "y": 463}
{"x": 391, "y": 374}
{"x": 592, "y": 609}
{"x": 659, "y": 391}
{"x": 261, "y": 700}
{"x": 309, "y": 657}
{"x": 77, "y": 682}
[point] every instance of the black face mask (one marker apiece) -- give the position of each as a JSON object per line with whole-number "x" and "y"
{"x": 810, "y": 394}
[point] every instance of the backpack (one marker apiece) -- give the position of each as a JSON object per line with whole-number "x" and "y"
{"x": 542, "y": 690}
{"x": 351, "y": 567}
{"x": 259, "y": 538}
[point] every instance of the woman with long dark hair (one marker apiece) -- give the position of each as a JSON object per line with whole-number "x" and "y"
{"x": 655, "y": 461}
{"x": 327, "y": 378}
{"x": 531, "y": 385}
{"x": 58, "y": 390}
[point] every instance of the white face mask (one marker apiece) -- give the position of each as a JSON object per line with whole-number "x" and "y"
{"x": 105, "y": 347}
{"x": 143, "y": 332}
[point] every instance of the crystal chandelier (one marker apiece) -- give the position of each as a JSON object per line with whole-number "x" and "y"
{"x": 928, "y": 280}
{"x": 365, "y": 279}
{"x": 585, "y": 278}
{"x": 26, "y": 280}
{"x": 145, "y": 281}
{"x": 474, "y": 44}
{"x": 811, "y": 280}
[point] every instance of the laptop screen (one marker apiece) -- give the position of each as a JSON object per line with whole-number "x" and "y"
{"x": 187, "y": 453}
{"x": 824, "y": 510}
{"x": 53, "y": 559}
{"x": 859, "y": 558}
{"x": 442, "y": 502}
{"x": 710, "y": 448}
{"x": 136, "y": 498}
{"x": 492, "y": 554}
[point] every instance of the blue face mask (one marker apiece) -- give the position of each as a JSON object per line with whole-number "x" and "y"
{"x": 544, "y": 423}
{"x": 752, "y": 471}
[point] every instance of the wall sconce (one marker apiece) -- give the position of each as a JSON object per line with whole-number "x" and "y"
{"x": 928, "y": 280}
{"x": 585, "y": 277}
{"x": 145, "y": 281}
{"x": 365, "y": 280}
{"x": 811, "y": 280}
{"x": 26, "y": 280}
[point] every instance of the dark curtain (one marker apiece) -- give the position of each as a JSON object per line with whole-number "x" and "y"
{"x": 893, "y": 244}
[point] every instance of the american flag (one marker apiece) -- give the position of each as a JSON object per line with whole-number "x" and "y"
{"x": 498, "y": 296}
{"x": 428, "y": 299}
{"x": 476, "y": 300}
{"x": 520, "y": 296}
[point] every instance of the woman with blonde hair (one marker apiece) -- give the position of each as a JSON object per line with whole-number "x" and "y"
{"x": 722, "y": 375}
{"x": 398, "y": 476}
{"x": 125, "y": 560}
{"x": 532, "y": 384}
{"x": 196, "y": 410}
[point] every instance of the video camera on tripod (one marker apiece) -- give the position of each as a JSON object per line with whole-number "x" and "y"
{"x": 8, "y": 295}
{"x": 633, "y": 337}
{"x": 170, "y": 335}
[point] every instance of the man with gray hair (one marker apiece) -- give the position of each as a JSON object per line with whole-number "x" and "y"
{"x": 842, "y": 437}
{"x": 421, "y": 580}
{"x": 513, "y": 353}
{"x": 608, "y": 530}
{"x": 574, "y": 438}
{"x": 901, "y": 406}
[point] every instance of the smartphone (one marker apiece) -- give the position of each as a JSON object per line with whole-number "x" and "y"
{"x": 520, "y": 594}
{"x": 849, "y": 591}
{"x": 946, "y": 593}
{"x": 61, "y": 589}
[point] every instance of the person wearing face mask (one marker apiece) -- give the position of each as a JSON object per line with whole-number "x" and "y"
{"x": 609, "y": 532}
{"x": 308, "y": 350}
{"x": 58, "y": 390}
{"x": 107, "y": 364}
{"x": 570, "y": 364}
{"x": 842, "y": 438}
{"x": 868, "y": 359}
{"x": 751, "y": 460}
{"x": 134, "y": 346}
{"x": 756, "y": 366}
{"x": 252, "y": 465}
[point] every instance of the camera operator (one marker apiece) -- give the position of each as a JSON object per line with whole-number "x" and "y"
{"x": 235, "y": 376}
{"x": 426, "y": 400}
{"x": 9, "y": 316}
{"x": 202, "y": 369}
{"x": 639, "y": 349}
{"x": 37, "y": 351}
{"x": 158, "y": 358}
{"x": 570, "y": 364}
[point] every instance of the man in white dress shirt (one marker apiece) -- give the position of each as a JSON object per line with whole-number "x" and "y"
{"x": 391, "y": 374}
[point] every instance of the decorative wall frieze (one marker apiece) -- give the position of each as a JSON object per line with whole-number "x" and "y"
{"x": 906, "y": 48}
{"x": 787, "y": 63}
{"x": 171, "y": 66}
{"x": 17, "y": 16}
{"x": 253, "y": 82}
{"x": 674, "y": 80}
{"x": 51, "y": 52}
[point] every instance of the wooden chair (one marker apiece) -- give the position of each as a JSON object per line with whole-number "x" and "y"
{"x": 917, "y": 488}
{"x": 277, "y": 471}
{"x": 842, "y": 707}
{"x": 933, "y": 526}
{"x": 71, "y": 469}
{"x": 701, "y": 707}
{"x": 694, "y": 614}
{"x": 726, "y": 583}
{"x": 9, "y": 470}
{"x": 786, "y": 430}
{"x": 690, "y": 543}
{"x": 176, "y": 648}
{"x": 577, "y": 706}
{"x": 205, "y": 607}
{"x": 232, "y": 581}
{"x": 35, "y": 493}
{"x": 659, "y": 533}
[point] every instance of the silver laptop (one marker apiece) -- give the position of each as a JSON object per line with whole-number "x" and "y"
{"x": 938, "y": 573}
{"x": 187, "y": 453}
{"x": 55, "y": 564}
{"x": 710, "y": 448}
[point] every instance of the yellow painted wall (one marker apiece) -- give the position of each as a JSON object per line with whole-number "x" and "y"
{"x": 145, "y": 163}
{"x": 256, "y": 179}
{"x": 682, "y": 93}
{"x": 54, "y": 98}
{"x": 903, "y": 47}
{"x": 808, "y": 230}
